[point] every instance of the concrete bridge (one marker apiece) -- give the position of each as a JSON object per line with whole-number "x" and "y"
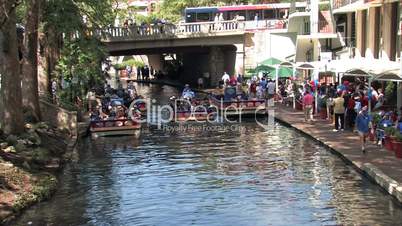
{"x": 206, "y": 48}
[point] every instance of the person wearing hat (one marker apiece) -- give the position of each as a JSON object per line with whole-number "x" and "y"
{"x": 362, "y": 124}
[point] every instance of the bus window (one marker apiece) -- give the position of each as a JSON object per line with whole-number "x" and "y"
{"x": 242, "y": 13}
{"x": 232, "y": 15}
{"x": 283, "y": 14}
{"x": 190, "y": 17}
{"x": 201, "y": 17}
{"x": 269, "y": 14}
{"x": 252, "y": 13}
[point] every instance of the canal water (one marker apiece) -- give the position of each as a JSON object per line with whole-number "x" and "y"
{"x": 247, "y": 176}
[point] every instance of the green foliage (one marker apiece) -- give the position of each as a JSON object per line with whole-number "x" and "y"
{"x": 80, "y": 61}
{"x": 41, "y": 155}
{"x": 66, "y": 16}
{"x": 21, "y": 12}
{"x": 389, "y": 90}
{"x": 324, "y": 7}
{"x": 130, "y": 62}
{"x": 398, "y": 137}
{"x": 80, "y": 67}
{"x": 376, "y": 118}
{"x": 390, "y": 131}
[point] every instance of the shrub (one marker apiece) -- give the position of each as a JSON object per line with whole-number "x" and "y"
{"x": 398, "y": 136}
{"x": 389, "y": 90}
{"x": 130, "y": 62}
{"x": 376, "y": 118}
{"x": 390, "y": 131}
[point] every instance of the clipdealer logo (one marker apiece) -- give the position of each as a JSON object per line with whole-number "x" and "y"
{"x": 202, "y": 117}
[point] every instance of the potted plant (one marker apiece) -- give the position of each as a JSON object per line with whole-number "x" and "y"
{"x": 389, "y": 137}
{"x": 397, "y": 145}
{"x": 376, "y": 118}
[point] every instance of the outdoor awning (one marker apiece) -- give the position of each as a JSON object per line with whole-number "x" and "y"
{"x": 388, "y": 77}
{"x": 368, "y": 66}
{"x": 357, "y": 73}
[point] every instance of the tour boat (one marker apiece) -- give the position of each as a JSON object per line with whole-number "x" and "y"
{"x": 239, "y": 107}
{"x": 181, "y": 116}
{"x": 118, "y": 127}
{"x": 196, "y": 112}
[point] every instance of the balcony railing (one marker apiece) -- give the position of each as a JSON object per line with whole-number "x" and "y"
{"x": 340, "y": 3}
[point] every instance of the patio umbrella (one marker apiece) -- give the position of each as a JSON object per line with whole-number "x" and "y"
{"x": 285, "y": 72}
{"x": 271, "y": 61}
{"x": 264, "y": 68}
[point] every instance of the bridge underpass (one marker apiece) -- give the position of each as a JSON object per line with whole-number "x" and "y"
{"x": 209, "y": 62}
{"x": 207, "y": 54}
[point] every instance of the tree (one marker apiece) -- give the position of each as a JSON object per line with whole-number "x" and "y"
{"x": 79, "y": 54}
{"x": 11, "y": 114}
{"x": 30, "y": 60}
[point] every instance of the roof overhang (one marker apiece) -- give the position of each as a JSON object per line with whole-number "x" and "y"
{"x": 377, "y": 69}
{"x": 358, "y": 5}
{"x": 318, "y": 36}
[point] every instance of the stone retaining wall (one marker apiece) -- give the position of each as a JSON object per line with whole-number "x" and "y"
{"x": 59, "y": 117}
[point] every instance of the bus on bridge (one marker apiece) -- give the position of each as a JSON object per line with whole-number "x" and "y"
{"x": 268, "y": 16}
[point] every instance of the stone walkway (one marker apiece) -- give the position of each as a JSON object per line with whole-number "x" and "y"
{"x": 378, "y": 164}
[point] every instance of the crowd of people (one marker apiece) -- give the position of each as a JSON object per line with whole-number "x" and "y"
{"x": 143, "y": 72}
{"x": 114, "y": 105}
{"x": 258, "y": 87}
{"x": 348, "y": 104}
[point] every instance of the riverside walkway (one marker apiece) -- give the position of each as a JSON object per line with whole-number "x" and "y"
{"x": 377, "y": 164}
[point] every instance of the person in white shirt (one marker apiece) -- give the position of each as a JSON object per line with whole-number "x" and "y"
{"x": 225, "y": 78}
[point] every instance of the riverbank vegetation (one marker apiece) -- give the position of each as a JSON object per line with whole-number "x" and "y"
{"x": 45, "y": 46}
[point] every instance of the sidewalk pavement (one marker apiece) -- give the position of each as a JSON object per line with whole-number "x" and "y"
{"x": 378, "y": 164}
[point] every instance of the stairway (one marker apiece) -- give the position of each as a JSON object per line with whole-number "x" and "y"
{"x": 325, "y": 24}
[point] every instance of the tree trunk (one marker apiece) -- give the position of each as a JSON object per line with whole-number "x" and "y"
{"x": 30, "y": 96}
{"x": 12, "y": 118}
{"x": 51, "y": 55}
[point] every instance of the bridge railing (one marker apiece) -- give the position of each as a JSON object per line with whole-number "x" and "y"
{"x": 186, "y": 29}
{"x": 169, "y": 30}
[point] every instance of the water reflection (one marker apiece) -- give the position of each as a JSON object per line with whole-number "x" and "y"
{"x": 248, "y": 177}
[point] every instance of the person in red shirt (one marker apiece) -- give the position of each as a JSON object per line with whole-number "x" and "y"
{"x": 308, "y": 101}
{"x": 364, "y": 100}
{"x": 233, "y": 81}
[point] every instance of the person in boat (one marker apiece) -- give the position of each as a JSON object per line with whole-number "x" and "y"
{"x": 120, "y": 91}
{"x": 233, "y": 81}
{"x": 187, "y": 93}
{"x": 252, "y": 89}
{"x": 132, "y": 91}
{"x": 134, "y": 116}
{"x": 120, "y": 116}
{"x": 94, "y": 116}
{"x": 108, "y": 90}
